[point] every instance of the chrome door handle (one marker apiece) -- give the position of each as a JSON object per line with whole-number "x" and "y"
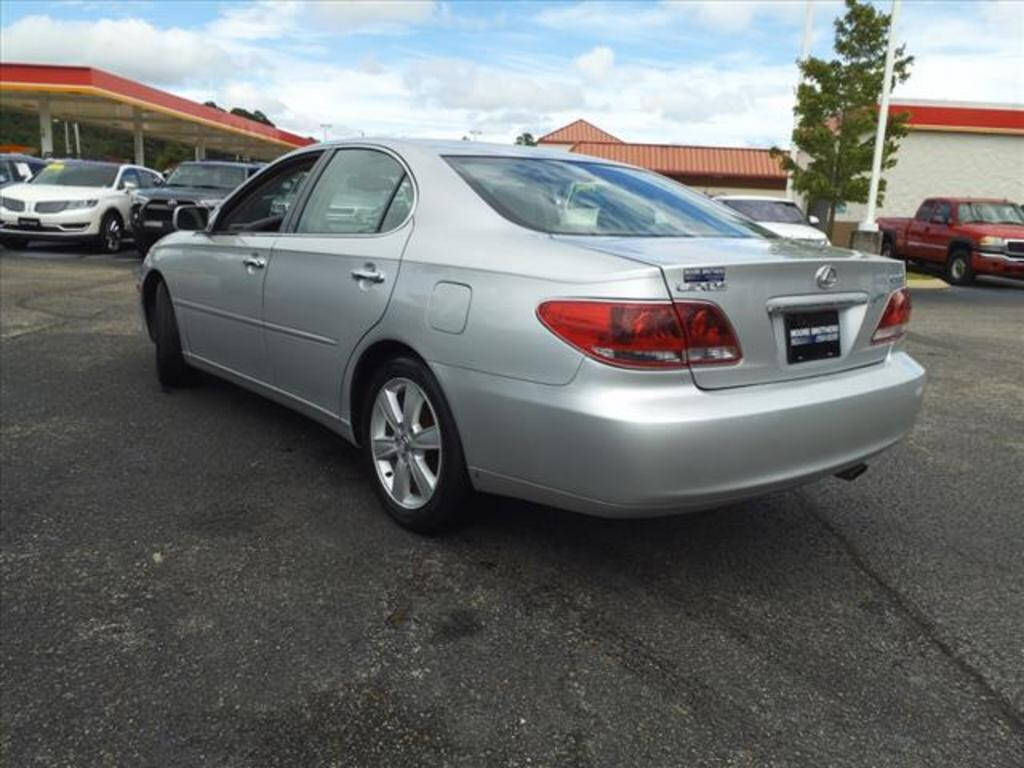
{"x": 254, "y": 262}
{"x": 369, "y": 273}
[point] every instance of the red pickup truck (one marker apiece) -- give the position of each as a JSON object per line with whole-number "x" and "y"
{"x": 967, "y": 236}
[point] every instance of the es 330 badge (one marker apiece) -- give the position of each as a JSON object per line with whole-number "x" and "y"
{"x": 702, "y": 279}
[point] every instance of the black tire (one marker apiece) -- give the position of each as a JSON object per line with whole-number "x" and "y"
{"x": 15, "y": 243}
{"x": 888, "y": 249}
{"x": 171, "y": 368}
{"x": 111, "y": 236}
{"x": 958, "y": 267}
{"x": 449, "y": 500}
{"x": 143, "y": 244}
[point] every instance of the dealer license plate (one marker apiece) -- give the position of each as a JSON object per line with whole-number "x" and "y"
{"x": 812, "y": 336}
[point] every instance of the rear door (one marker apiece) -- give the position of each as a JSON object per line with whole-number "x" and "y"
{"x": 219, "y": 279}
{"x": 332, "y": 275}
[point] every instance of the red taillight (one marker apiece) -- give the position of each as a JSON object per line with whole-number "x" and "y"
{"x": 643, "y": 335}
{"x": 710, "y": 340}
{"x": 895, "y": 318}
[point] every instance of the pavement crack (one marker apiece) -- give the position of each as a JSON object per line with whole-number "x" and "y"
{"x": 925, "y": 625}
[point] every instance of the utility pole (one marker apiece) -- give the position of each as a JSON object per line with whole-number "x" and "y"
{"x": 869, "y": 224}
{"x": 805, "y": 51}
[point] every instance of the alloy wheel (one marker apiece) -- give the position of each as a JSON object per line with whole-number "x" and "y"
{"x": 406, "y": 443}
{"x": 112, "y": 235}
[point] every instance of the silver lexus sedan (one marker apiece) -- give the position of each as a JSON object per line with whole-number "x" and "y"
{"x": 537, "y": 324}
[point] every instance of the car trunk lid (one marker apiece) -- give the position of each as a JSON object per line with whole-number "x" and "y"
{"x": 772, "y": 290}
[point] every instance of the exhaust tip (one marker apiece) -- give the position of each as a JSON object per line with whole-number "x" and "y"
{"x": 853, "y": 472}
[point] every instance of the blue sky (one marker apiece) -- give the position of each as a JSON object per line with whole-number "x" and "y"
{"x": 679, "y": 72}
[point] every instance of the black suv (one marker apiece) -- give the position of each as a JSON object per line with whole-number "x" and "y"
{"x": 204, "y": 182}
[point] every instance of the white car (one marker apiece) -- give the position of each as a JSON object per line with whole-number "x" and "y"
{"x": 73, "y": 201}
{"x": 778, "y": 215}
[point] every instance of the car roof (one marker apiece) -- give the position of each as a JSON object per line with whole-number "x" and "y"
{"x": 447, "y": 147}
{"x": 756, "y": 198}
{"x": 221, "y": 163}
{"x": 941, "y": 198}
{"x": 20, "y": 156}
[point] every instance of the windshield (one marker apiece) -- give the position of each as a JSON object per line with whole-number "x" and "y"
{"x": 990, "y": 213}
{"x": 768, "y": 210}
{"x": 572, "y": 197}
{"x": 77, "y": 175}
{"x": 208, "y": 176}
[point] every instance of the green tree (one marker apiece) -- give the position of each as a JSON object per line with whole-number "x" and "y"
{"x": 837, "y": 110}
{"x": 526, "y": 140}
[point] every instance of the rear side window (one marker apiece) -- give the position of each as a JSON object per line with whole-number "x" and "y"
{"x": 571, "y": 197}
{"x": 354, "y": 194}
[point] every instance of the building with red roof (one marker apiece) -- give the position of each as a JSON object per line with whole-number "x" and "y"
{"x": 713, "y": 170}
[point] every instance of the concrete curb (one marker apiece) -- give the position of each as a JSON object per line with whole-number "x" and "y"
{"x": 926, "y": 283}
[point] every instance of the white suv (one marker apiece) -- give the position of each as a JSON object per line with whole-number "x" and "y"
{"x": 73, "y": 201}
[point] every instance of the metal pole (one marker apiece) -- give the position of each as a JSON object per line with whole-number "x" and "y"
{"x": 78, "y": 142}
{"x": 140, "y": 147}
{"x": 869, "y": 224}
{"x": 45, "y": 128}
{"x": 805, "y": 51}
{"x": 67, "y": 139}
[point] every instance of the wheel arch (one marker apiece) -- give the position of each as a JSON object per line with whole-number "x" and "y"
{"x": 959, "y": 244}
{"x": 369, "y": 360}
{"x": 149, "y": 285}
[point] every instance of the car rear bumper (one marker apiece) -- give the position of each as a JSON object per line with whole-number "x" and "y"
{"x": 622, "y": 444}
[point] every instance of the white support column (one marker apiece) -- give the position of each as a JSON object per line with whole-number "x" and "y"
{"x": 140, "y": 148}
{"x": 78, "y": 142}
{"x": 201, "y": 149}
{"x": 45, "y": 128}
{"x": 869, "y": 224}
{"x": 67, "y": 139}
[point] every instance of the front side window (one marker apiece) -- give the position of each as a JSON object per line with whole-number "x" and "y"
{"x": 768, "y": 210}
{"x": 263, "y": 208}
{"x": 354, "y": 194}
{"x": 924, "y": 213}
{"x": 129, "y": 177}
{"x": 571, "y": 197}
{"x": 203, "y": 176}
{"x": 78, "y": 175}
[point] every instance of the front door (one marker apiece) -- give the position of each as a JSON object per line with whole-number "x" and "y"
{"x": 331, "y": 277}
{"x": 220, "y": 285}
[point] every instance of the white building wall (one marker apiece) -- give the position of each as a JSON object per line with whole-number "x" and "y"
{"x": 937, "y": 163}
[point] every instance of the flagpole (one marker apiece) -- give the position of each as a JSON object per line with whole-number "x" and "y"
{"x": 869, "y": 224}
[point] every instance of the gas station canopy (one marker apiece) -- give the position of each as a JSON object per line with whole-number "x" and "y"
{"x": 87, "y": 95}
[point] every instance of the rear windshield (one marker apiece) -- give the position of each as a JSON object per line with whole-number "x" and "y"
{"x": 77, "y": 175}
{"x": 768, "y": 210}
{"x": 207, "y": 176}
{"x": 572, "y": 197}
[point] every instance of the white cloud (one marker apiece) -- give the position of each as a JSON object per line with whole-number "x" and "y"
{"x": 375, "y": 18}
{"x": 130, "y": 47}
{"x": 596, "y": 62}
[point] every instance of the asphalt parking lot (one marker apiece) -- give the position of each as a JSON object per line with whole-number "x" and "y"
{"x": 202, "y": 578}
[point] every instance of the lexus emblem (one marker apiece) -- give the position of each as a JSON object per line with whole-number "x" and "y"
{"x": 826, "y": 277}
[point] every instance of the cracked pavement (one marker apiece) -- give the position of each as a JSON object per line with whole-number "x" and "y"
{"x": 203, "y": 578}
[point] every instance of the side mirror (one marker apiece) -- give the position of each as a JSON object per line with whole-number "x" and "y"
{"x": 127, "y": 185}
{"x": 191, "y": 218}
{"x": 815, "y": 221}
